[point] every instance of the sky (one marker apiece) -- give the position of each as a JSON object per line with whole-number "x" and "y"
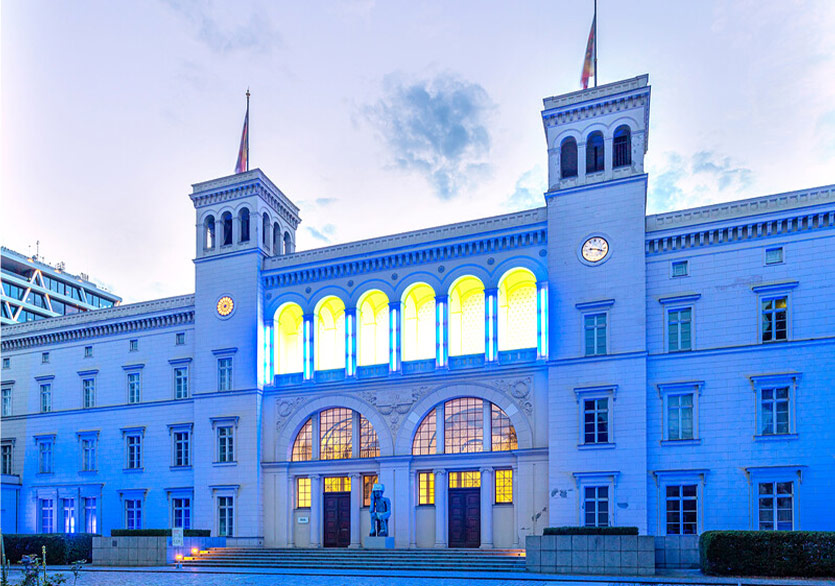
{"x": 377, "y": 117}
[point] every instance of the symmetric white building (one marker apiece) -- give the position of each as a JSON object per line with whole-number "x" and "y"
{"x": 579, "y": 363}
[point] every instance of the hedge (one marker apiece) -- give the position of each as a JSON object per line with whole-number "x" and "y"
{"x": 590, "y": 531}
{"x": 158, "y": 533}
{"x": 768, "y": 553}
{"x": 61, "y": 548}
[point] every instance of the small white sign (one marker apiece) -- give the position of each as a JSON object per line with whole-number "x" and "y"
{"x": 177, "y": 537}
{"x": 303, "y": 520}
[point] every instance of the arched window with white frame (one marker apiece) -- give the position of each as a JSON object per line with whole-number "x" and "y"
{"x": 466, "y": 316}
{"x": 418, "y": 335}
{"x": 289, "y": 339}
{"x": 330, "y": 334}
{"x": 373, "y": 328}
{"x": 517, "y": 310}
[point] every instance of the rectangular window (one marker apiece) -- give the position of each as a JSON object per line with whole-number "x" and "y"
{"x": 68, "y": 515}
{"x": 225, "y": 516}
{"x": 466, "y": 479}
{"x": 774, "y": 411}
{"x": 44, "y": 357}
{"x": 180, "y": 339}
{"x": 88, "y": 387}
{"x": 182, "y": 456}
{"x": 368, "y": 482}
{"x": 88, "y": 351}
{"x": 45, "y": 457}
{"x": 7, "y": 363}
{"x": 595, "y": 327}
{"x": 181, "y": 512}
{"x": 225, "y": 444}
{"x": 7, "y": 401}
{"x": 47, "y": 515}
{"x": 679, "y": 268}
{"x": 302, "y": 492}
{"x": 596, "y": 421}
{"x": 504, "y": 486}
{"x": 133, "y": 514}
{"x": 224, "y": 374}
{"x": 776, "y": 506}
{"x": 6, "y": 458}
{"x": 680, "y": 417}
{"x": 133, "y": 345}
{"x": 134, "y": 452}
{"x": 774, "y": 319}
{"x": 88, "y": 455}
{"x": 46, "y": 397}
{"x": 679, "y": 329}
{"x": 682, "y": 509}
{"x": 426, "y": 488}
{"x": 90, "y": 515}
{"x": 596, "y": 506}
{"x": 774, "y": 256}
{"x": 181, "y": 382}
{"x": 134, "y": 387}
{"x": 338, "y": 484}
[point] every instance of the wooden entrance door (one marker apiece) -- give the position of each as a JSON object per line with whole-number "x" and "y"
{"x": 337, "y": 519}
{"x": 464, "y": 517}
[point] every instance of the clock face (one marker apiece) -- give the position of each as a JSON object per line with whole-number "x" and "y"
{"x": 225, "y": 305}
{"x": 595, "y": 249}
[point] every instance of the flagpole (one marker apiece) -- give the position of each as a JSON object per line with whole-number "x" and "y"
{"x": 595, "y": 45}
{"x": 247, "y": 117}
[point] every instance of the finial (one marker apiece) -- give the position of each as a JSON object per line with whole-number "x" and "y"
{"x": 247, "y": 93}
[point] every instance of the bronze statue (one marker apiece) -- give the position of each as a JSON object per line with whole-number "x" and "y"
{"x": 380, "y": 511}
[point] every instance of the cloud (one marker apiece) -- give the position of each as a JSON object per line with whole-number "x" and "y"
{"x": 436, "y": 127}
{"x": 528, "y": 191}
{"x": 826, "y": 131}
{"x": 721, "y": 168}
{"x": 325, "y": 201}
{"x": 324, "y": 234}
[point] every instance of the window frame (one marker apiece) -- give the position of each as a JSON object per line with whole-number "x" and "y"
{"x": 425, "y": 480}
{"x": 45, "y": 466}
{"x": 667, "y": 390}
{"x": 781, "y": 249}
{"x": 180, "y": 364}
{"x": 180, "y": 339}
{"x": 133, "y": 432}
{"x": 229, "y": 509}
{"x": 180, "y": 460}
{"x": 511, "y": 481}
{"x": 585, "y": 480}
{"x": 791, "y": 380}
{"x": 88, "y": 351}
{"x": 85, "y": 465}
{"x": 669, "y": 309}
{"x": 665, "y": 478}
{"x": 230, "y": 422}
{"x": 133, "y": 345}
{"x": 592, "y": 308}
{"x": 776, "y": 474}
{"x": 595, "y": 327}
{"x": 303, "y": 503}
{"x": 7, "y": 462}
{"x": 681, "y": 262}
{"x": 6, "y": 400}
{"x": 773, "y": 291}
{"x": 186, "y": 511}
{"x": 584, "y": 394}
{"x": 225, "y": 365}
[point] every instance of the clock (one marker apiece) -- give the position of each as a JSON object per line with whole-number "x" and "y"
{"x": 595, "y": 249}
{"x": 225, "y": 305}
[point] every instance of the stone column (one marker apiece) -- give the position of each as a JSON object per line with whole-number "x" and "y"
{"x": 440, "y": 508}
{"x": 355, "y": 435}
{"x": 402, "y": 506}
{"x": 413, "y": 509}
{"x": 487, "y": 426}
{"x": 276, "y": 505}
{"x": 395, "y": 341}
{"x": 491, "y": 321}
{"x": 309, "y": 335}
{"x": 315, "y": 510}
{"x": 289, "y": 508}
{"x": 356, "y": 503}
{"x": 581, "y": 162}
{"x": 439, "y": 429}
{"x": 515, "y": 505}
{"x": 608, "y": 159}
{"x": 486, "y": 508}
{"x": 315, "y": 433}
{"x": 351, "y": 338}
{"x": 442, "y": 330}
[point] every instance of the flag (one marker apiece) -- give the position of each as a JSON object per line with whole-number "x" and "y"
{"x": 243, "y": 153}
{"x": 588, "y": 62}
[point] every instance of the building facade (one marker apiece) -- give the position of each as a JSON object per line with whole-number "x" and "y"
{"x": 577, "y": 364}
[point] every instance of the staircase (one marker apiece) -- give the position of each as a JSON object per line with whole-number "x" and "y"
{"x": 362, "y": 560}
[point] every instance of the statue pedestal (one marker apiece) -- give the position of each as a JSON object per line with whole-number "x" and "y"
{"x": 378, "y": 542}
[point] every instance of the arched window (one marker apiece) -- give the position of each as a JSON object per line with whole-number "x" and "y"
{"x": 517, "y": 310}
{"x": 464, "y": 427}
{"x": 330, "y": 334}
{"x": 243, "y": 218}
{"x": 289, "y": 339}
{"x": 594, "y": 152}
{"x": 265, "y": 231}
{"x": 277, "y": 239}
{"x": 418, "y": 322}
{"x": 622, "y": 147}
{"x": 373, "y": 328}
{"x": 335, "y": 439}
{"x": 568, "y": 158}
{"x": 466, "y": 317}
{"x": 209, "y": 233}
{"x": 226, "y": 219}
{"x": 288, "y": 244}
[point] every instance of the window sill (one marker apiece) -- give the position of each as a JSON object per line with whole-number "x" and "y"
{"x": 133, "y": 470}
{"x": 774, "y": 341}
{"x": 682, "y": 351}
{"x": 225, "y": 464}
{"x": 600, "y": 446}
{"x": 503, "y": 504}
{"x": 682, "y": 442}
{"x": 775, "y": 437}
{"x": 178, "y": 468}
{"x": 88, "y": 472}
{"x": 46, "y": 473}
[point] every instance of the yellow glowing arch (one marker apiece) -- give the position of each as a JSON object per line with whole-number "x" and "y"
{"x": 418, "y": 333}
{"x": 517, "y": 310}
{"x": 330, "y": 334}
{"x": 289, "y": 339}
{"x": 373, "y": 328}
{"x": 466, "y": 316}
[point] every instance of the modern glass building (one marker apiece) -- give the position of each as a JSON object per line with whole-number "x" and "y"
{"x": 581, "y": 363}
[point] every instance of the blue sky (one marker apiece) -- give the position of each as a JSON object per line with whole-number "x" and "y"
{"x": 378, "y": 117}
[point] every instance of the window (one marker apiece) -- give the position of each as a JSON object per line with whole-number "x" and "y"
{"x": 330, "y": 334}
{"x": 680, "y": 417}
{"x": 595, "y": 328}
{"x": 424, "y": 442}
{"x": 426, "y": 488}
{"x": 680, "y": 268}
{"x": 335, "y": 436}
{"x": 7, "y": 362}
{"x": 225, "y": 516}
{"x": 88, "y": 351}
{"x": 88, "y": 454}
{"x": 373, "y": 328}
{"x": 774, "y": 411}
{"x": 503, "y": 433}
{"x": 504, "y": 486}
{"x": 68, "y": 515}
{"x": 463, "y": 425}
{"x": 179, "y": 339}
{"x": 134, "y": 452}
{"x": 7, "y": 401}
{"x": 679, "y": 329}
{"x": 774, "y": 319}
{"x": 88, "y": 392}
{"x": 594, "y": 152}
{"x": 90, "y": 514}
{"x": 682, "y": 509}
{"x": 265, "y": 231}
{"x": 209, "y": 233}
{"x": 596, "y": 421}
{"x": 466, "y": 317}
{"x": 243, "y": 217}
{"x": 338, "y": 484}
{"x": 774, "y": 256}
{"x": 47, "y": 515}
{"x": 46, "y": 397}
{"x": 596, "y": 506}
{"x": 303, "y": 445}
{"x": 465, "y": 479}
{"x": 289, "y": 339}
{"x": 44, "y": 357}
{"x": 181, "y": 509}
{"x": 225, "y": 444}
{"x": 134, "y": 387}
{"x": 368, "y": 482}
{"x": 6, "y": 458}
{"x": 277, "y": 239}
{"x": 226, "y": 222}
{"x": 622, "y": 147}
{"x": 464, "y": 429}
{"x": 418, "y": 334}
{"x": 182, "y": 451}
{"x": 517, "y": 319}
{"x": 181, "y": 382}
{"x": 776, "y": 506}
{"x": 45, "y": 456}
{"x": 133, "y": 345}
{"x": 288, "y": 243}
{"x": 133, "y": 514}
{"x": 568, "y": 158}
{"x": 302, "y": 492}
{"x": 335, "y": 430}
{"x": 224, "y": 374}
{"x": 369, "y": 444}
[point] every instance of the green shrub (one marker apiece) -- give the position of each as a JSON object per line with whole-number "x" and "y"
{"x": 61, "y": 548}
{"x": 768, "y": 553}
{"x": 157, "y": 533}
{"x": 590, "y": 531}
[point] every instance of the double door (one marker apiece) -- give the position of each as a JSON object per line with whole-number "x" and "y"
{"x": 337, "y": 519}
{"x": 464, "y": 517}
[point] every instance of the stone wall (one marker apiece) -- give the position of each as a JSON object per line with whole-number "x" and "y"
{"x": 624, "y": 555}
{"x": 146, "y": 551}
{"x": 677, "y": 552}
